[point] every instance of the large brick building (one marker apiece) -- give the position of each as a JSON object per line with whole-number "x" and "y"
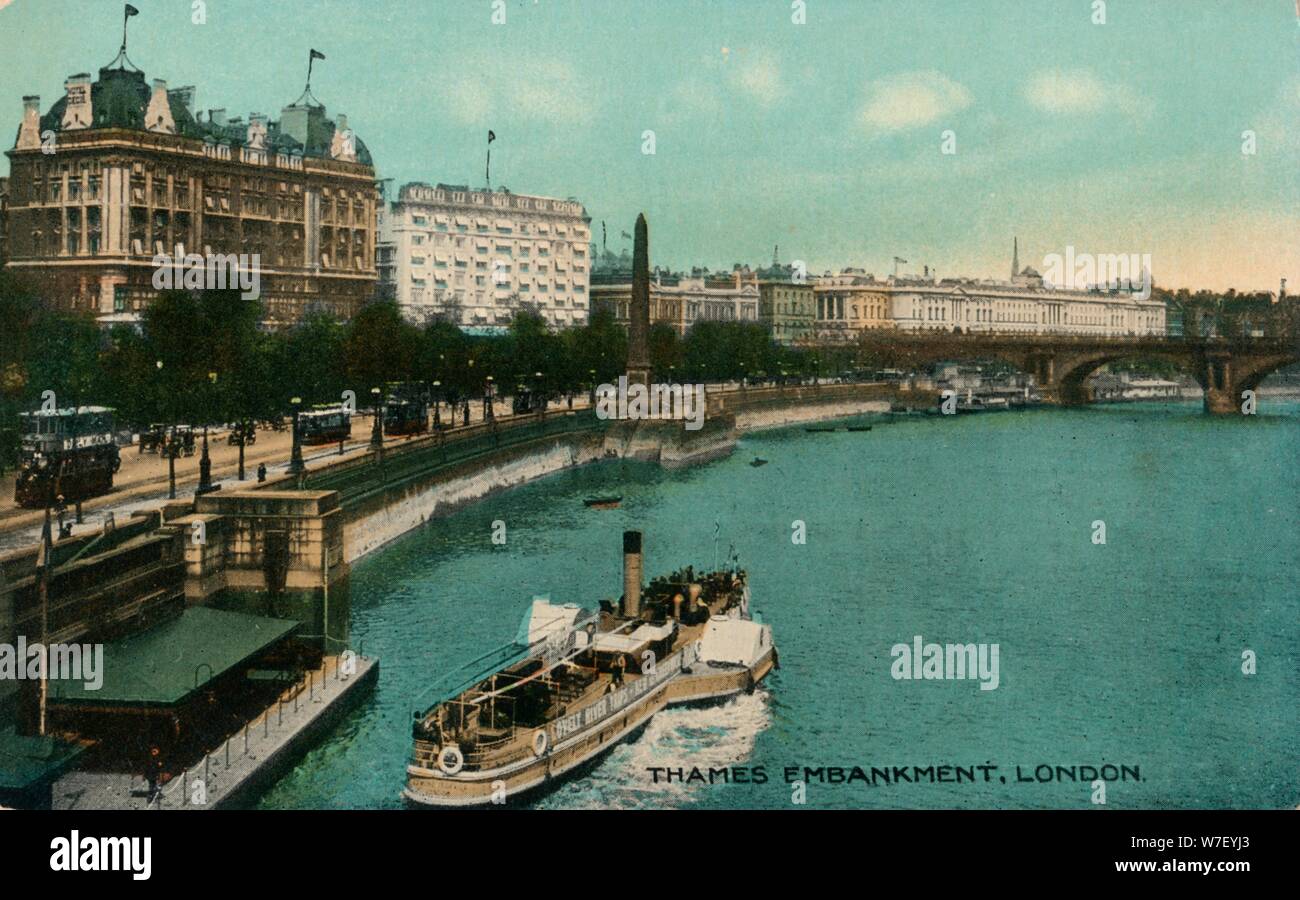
{"x": 118, "y": 172}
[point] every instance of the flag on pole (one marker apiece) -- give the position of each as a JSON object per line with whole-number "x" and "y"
{"x": 131, "y": 10}
{"x": 492, "y": 135}
{"x": 311, "y": 61}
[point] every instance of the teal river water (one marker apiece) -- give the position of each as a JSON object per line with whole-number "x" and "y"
{"x": 973, "y": 529}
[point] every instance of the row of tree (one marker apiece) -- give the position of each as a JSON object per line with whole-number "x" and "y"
{"x": 201, "y": 357}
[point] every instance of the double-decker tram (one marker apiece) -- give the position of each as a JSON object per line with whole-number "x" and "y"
{"x": 406, "y": 411}
{"x": 406, "y": 417}
{"x": 66, "y": 452}
{"x": 324, "y": 424}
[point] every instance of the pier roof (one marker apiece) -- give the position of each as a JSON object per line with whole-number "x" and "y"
{"x": 164, "y": 665}
{"x": 26, "y": 761}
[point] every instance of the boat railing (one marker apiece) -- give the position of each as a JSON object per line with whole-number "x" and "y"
{"x": 549, "y": 650}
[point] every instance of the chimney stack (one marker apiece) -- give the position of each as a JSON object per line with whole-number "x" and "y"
{"x": 186, "y": 96}
{"x": 29, "y": 132}
{"x": 631, "y": 573}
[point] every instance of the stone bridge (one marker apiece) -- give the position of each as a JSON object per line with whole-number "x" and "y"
{"x": 1224, "y": 367}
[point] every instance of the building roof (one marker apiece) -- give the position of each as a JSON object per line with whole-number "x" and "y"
{"x": 28, "y": 760}
{"x": 164, "y": 665}
{"x": 119, "y": 100}
{"x": 120, "y": 97}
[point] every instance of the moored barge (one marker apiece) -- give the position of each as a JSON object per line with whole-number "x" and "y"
{"x": 575, "y": 683}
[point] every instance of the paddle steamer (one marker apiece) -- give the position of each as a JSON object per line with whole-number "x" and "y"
{"x": 575, "y": 683}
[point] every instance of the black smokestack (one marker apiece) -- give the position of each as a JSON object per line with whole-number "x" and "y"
{"x": 631, "y": 573}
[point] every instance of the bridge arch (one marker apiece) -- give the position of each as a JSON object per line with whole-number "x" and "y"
{"x": 1073, "y": 372}
{"x": 1061, "y": 364}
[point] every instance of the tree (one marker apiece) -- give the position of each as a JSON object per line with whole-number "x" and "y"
{"x": 307, "y": 361}
{"x": 380, "y": 346}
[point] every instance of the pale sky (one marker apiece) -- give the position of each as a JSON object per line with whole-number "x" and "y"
{"x": 824, "y": 137}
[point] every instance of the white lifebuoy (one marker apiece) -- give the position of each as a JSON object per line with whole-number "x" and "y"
{"x": 540, "y": 743}
{"x": 450, "y": 759}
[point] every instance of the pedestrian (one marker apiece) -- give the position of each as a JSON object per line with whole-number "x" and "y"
{"x": 261, "y": 472}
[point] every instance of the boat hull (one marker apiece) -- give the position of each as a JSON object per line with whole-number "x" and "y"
{"x": 427, "y": 787}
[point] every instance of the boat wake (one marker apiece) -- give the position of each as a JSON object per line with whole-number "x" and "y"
{"x": 676, "y": 738}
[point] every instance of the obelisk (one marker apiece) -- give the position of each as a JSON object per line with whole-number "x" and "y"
{"x": 638, "y": 331}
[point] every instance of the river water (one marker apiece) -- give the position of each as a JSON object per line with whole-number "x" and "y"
{"x": 973, "y": 529}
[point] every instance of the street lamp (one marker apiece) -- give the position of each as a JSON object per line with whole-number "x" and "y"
{"x": 541, "y": 396}
{"x": 171, "y": 450}
{"x": 296, "y": 465}
{"x": 489, "y": 395}
{"x": 592, "y": 401}
{"x": 377, "y": 432}
{"x": 437, "y": 393}
{"x": 205, "y": 461}
{"x": 465, "y": 409}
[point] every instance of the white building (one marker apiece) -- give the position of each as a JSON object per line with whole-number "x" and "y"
{"x": 1024, "y": 306}
{"x": 478, "y": 257}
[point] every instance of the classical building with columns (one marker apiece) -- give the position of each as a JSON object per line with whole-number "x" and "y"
{"x": 120, "y": 170}
{"x": 681, "y": 301}
{"x": 849, "y": 302}
{"x": 854, "y": 300}
{"x": 478, "y": 257}
{"x": 1023, "y": 306}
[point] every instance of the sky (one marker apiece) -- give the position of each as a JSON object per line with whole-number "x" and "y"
{"x": 825, "y": 137}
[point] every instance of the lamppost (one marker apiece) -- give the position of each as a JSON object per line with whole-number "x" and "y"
{"x": 592, "y": 399}
{"x": 437, "y": 416}
{"x": 171, "y": 450}
{"x": 465, "y": 409}
{"x": 541, "y": 395}
{"x": 296, "y": 465}
{"x": 205, "y": 461}
{"x": 489, "y": 398}
{"x": 377, "y": 432}
{"x": 243, "y": 427}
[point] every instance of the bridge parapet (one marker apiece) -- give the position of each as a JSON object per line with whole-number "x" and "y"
{"x": 1061, "y": 364}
